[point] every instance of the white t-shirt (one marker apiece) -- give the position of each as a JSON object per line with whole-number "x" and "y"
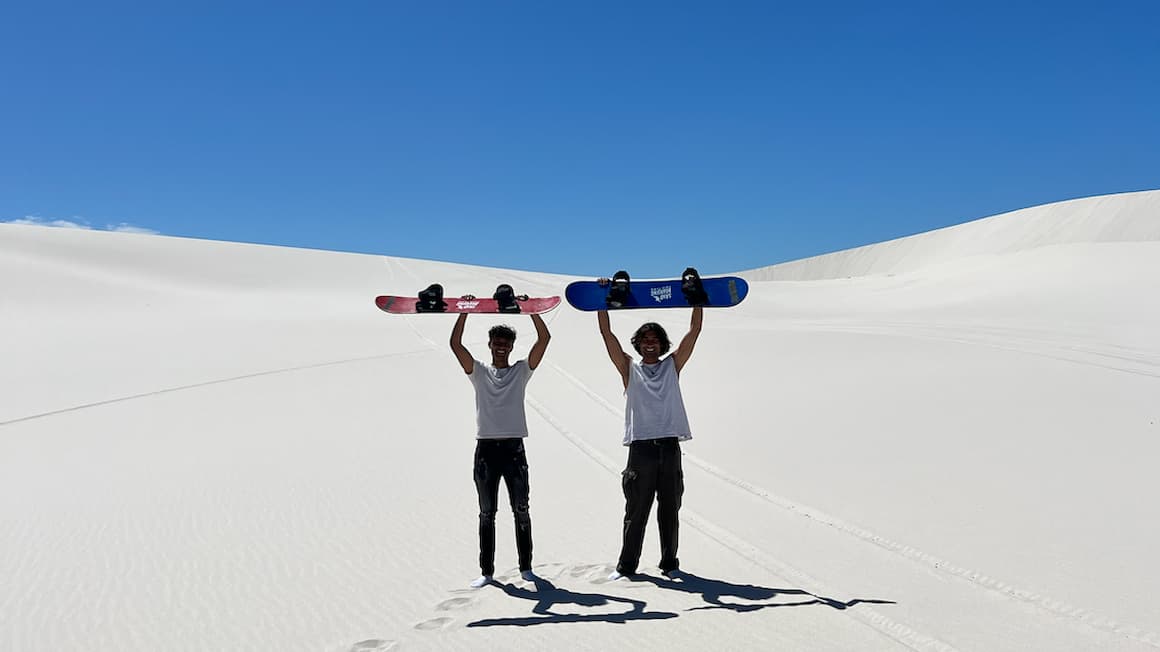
{"x": 499, "y": 400}
{"x": 654, "y": 407}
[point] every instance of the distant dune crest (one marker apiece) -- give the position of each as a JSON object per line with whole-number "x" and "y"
{"x": 1127, "y": 217}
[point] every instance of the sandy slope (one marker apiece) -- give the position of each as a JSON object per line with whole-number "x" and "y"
{"x": 212, "y": 446}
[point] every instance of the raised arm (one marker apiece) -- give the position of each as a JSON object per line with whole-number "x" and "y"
{"x": 685, "y": 348}
{"x": 541, "y": 345}
{"x": 461, "y": 353}
{"x": 619, "y": 358}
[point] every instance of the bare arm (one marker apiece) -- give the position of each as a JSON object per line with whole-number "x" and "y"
{"x": 461, "y": 353}
{"x": 619, "y": 358}
{"x": 541, "y": 345}
{"x": 685, "y": 348}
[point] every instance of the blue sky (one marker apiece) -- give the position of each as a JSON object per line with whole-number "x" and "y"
{"x": 577, "y": 138}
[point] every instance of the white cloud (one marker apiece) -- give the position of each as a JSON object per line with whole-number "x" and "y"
{"x": 124, "y": 227}
{"x": 80, "y": 223}
{"x": 37, "y": 221}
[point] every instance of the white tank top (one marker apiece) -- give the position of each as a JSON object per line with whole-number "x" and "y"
{"x": 654, "y": 407}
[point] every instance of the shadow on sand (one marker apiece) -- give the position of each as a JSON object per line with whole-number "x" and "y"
{"x": 547, "y": 595}
{"x": 712, "y": 592}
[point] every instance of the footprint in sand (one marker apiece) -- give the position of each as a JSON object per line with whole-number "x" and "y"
{"x": 450, "y": 604}
{"x": 453, "y": 603}
{"x": 585, "y": 570}
{"x": 373, "y": 645}
{"x": 434, "y": 623}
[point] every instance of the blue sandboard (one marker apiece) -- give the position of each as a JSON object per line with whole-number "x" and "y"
{"x": 723, "y": 291}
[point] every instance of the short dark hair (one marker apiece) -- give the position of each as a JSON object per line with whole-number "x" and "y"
{"x": 503, "y": 332}
{"x": 653, "y": 327}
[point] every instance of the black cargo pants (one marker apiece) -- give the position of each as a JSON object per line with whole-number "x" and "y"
{"x": 654, "y": 469}
{"x": 496, "y": 459}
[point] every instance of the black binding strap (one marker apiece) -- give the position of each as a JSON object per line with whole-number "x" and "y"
{"x": 431, "y": 299}
{"x": 692, "y": 288}
{"x": 505, "y": 296}
{"x": 618, "y": 290}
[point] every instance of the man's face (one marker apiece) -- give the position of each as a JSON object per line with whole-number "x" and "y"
{"x": 501, "y": 347}
{"x": 650, "y": 345}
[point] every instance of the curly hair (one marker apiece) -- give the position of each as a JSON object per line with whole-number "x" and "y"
{"x": 503, "y": 332}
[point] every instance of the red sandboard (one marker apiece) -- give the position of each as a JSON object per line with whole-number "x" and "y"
{"x": 406, "y": 305}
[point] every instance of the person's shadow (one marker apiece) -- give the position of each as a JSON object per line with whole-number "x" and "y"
{"x": 712, "y": 592}
{"x": 547, "y": 595}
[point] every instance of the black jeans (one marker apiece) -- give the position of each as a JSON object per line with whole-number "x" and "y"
{"x": 654, "y": 469}
{"x": 495, "y": 459}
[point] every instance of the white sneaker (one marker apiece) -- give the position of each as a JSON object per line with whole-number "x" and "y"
{"x": 614, "y": 575}
{"x": 481, "y": 581}
{"x": 528, "y": 575}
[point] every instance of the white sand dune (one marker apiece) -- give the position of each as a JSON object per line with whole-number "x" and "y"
{"x": 943, "y": 442}
{"x": 1126, "y": 217}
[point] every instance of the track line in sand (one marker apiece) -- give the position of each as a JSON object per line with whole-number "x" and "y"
{"x": 899, "y": 632}
{"x": 230, "y": 379}
{"x": 1023, "y": 341}
{"x": 1058, "y": 608}
{"x": 207, "y": 383}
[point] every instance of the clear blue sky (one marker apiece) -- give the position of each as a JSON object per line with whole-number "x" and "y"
{"x": 577, "y": 137}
